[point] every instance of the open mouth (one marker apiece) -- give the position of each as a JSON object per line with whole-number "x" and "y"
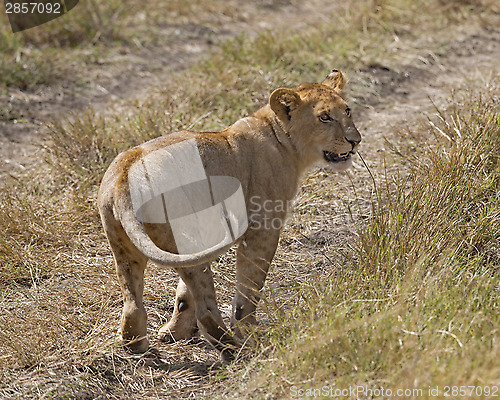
{"x": 334, "y": 158}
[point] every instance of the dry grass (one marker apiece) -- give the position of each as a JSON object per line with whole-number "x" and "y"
{"x": 60, "y": 303}
{"x": 31, "y": 228}
{"x": 416, "y": 305}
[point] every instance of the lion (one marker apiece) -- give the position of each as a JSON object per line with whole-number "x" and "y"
{"x": 182, "y": 199}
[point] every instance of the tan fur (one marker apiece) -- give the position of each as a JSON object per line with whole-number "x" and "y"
{"x": 267, "y": 152}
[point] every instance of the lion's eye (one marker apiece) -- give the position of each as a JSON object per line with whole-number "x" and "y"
{"x": 325, "y": 117}
{"x": 348, "y": 111}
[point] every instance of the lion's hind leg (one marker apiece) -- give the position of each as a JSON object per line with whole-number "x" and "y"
{"x": 130, "y": 265}
{"x": 200, "y": 283}
{"x": 182, "y": 324}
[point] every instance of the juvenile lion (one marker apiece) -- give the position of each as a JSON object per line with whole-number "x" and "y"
{"x": 182, "y": 199}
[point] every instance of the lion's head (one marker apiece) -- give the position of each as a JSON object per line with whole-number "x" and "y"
{"x": 318, "y": 121}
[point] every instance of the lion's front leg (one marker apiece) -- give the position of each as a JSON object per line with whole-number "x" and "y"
{"x": 254, "y": 257}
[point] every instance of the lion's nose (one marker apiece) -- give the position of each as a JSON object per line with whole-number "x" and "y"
{"x": 354, "y": 138}
{"x": 353, "y": 143}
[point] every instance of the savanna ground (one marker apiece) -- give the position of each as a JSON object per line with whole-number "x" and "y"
{"x": 386, "y": 277}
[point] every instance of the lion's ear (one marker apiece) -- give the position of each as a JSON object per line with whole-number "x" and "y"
{"x": 283, "y": 101}
{"x": 335, "y": 80}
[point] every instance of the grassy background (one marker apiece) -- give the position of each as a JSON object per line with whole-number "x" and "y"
{"x": 413, "y": 303}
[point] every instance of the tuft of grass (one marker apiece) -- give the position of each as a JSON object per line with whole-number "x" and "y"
{"x": 39, "y": 227}
{"x": 22, "y": 66}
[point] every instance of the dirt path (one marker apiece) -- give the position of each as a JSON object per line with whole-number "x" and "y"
{"x": 408, "y": 96}
{"x": 132, "y": 74}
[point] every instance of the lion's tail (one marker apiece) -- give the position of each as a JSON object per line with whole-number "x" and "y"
{"x": 137, "y": 233}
